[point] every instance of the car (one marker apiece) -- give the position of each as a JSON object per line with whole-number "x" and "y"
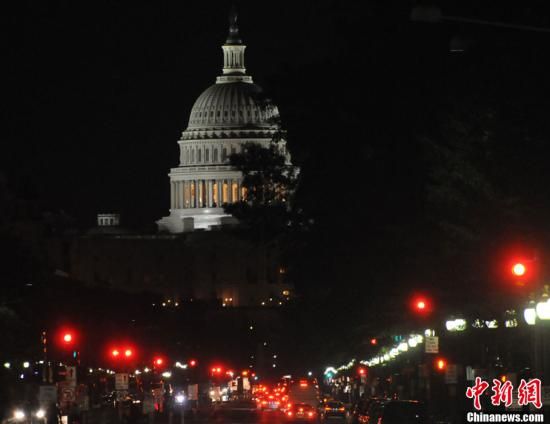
{"x": 26, "y": 413}
{"x": 360, "y": 412}
{"x": 334, "y": 409}
{"x": 301, "y": 412}
{"x": 270, "y": 403}
{"x": 398, "y": 412}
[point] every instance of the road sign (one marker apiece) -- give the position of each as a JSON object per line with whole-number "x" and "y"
{"x": 47, "y": 394}
{"x": 431, "y": 344}
{"x": 121, "y": 381}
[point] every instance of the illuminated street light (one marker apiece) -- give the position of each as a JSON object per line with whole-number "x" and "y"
{"x": 543, "y": 310}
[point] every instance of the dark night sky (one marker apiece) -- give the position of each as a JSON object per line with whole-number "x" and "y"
{"x": 99, "y": 92}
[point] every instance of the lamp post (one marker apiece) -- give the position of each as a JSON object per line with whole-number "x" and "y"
{"x": 537, "y": 315}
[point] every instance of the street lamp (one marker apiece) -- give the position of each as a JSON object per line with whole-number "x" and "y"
{"x": 543, "y": 309}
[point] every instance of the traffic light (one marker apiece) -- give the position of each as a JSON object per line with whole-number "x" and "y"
{"x": 192, "y": 363}
{"x": 158, "y": 361}
{"x": 115, "y": 353}
{"x": 67, "y": 338}
{"x": 440, "y": 364}
{"x": 421, "y": 305}
{"x": 519, "y": 269}
{"x": 373, "y": 342}
{"x": 362, "y": 371}
{"x": 128, "y": 353}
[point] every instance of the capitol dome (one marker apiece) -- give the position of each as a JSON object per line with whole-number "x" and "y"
{"x": 233, "y": 104}
{"x": 225, "y": 117}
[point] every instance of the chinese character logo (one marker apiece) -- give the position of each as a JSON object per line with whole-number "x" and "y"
{"x": 528, "y": 392}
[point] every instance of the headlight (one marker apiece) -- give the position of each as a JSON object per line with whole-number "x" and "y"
{"x": 40, "y": 413}
{"x": 18, "y": 414}
{"x": 180, "y": 398}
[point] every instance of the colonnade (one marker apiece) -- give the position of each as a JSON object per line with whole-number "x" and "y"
{"x": 201, "y": 193}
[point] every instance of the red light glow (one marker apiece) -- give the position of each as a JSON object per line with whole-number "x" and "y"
{"x": 519, "y": 270}
{"x": 67, "y": 337}
{"x": 128, "y": 353}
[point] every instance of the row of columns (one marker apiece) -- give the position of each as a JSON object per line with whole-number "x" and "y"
{"x": 205, "y": 193}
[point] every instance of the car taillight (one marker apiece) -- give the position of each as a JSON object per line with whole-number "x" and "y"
{"x": 341, "y": 408}
{"x": 289, "y": 413}
{"x": 264, "y": 402}
{"x": 277, "y": 403}
{"x": 289, "y": 405}
{"x": 327, "y": 408}
{"x": 310, "y": 414}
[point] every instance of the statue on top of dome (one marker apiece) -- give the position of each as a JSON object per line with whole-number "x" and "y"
{"x": 233, "y": 37}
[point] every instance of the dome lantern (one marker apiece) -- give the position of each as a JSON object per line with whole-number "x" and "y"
{"x": 233, "y": 54}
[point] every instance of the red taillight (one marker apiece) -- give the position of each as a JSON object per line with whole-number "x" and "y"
{"x": 310, "y": 414}
{"x": 341, "y": 408}
{"x": 327, "y": 408}
{"x": 289, "y": 405}
{"x": 264, "y": 402}
{"x": 289, "y": 413}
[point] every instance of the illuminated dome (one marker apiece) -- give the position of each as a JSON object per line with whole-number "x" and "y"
{"x": 230, "y": 105}
{"x": 228, "y": 114}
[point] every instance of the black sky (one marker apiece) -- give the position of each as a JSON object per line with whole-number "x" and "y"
{"x": 99, "y": 92}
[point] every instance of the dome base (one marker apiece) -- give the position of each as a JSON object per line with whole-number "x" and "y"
{"x": 186, "y": 220}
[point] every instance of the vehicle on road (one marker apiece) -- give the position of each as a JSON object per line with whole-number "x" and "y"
{"x": 304, "y": 391}
{"x": 360, "y": 411}
{"x": 301, "y": 412}
{"x": 334, "y": 409}
{"x": 26, "y": 413}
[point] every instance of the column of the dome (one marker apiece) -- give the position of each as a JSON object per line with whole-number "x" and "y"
{"x": 239, "y": 197}
{"x": 209, "y": 198}
{"x": 196, "y": 196}
{"x": 230, "y": 191}
{"x": 180, "y": 194}
{"x": 172, "y": 195}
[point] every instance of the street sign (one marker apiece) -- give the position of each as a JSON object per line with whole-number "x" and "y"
{"x": 451, "y": 374}
{"x": 70, "y": 375}
{"x": 47, "y": 394}
{"x": 431, "y": 344}
{"x": 121, "y": 381}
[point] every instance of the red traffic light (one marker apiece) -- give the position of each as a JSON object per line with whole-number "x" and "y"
{"x": 362, "y": 371}
{"x": 192, "y": 363}
{"x": 128, "y": 353}
{"x": 519, "y": 269}
{"x": 421, "y": 305}
{"x": 440, "y": 364}
{"x": 158, "y": 361}
{"x": 373, "y": 342}
{"x": 67, "y": 338}
{"x": 115, "y": 353}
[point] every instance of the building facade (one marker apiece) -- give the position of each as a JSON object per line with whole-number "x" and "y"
{"x": 228, "y": 114}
